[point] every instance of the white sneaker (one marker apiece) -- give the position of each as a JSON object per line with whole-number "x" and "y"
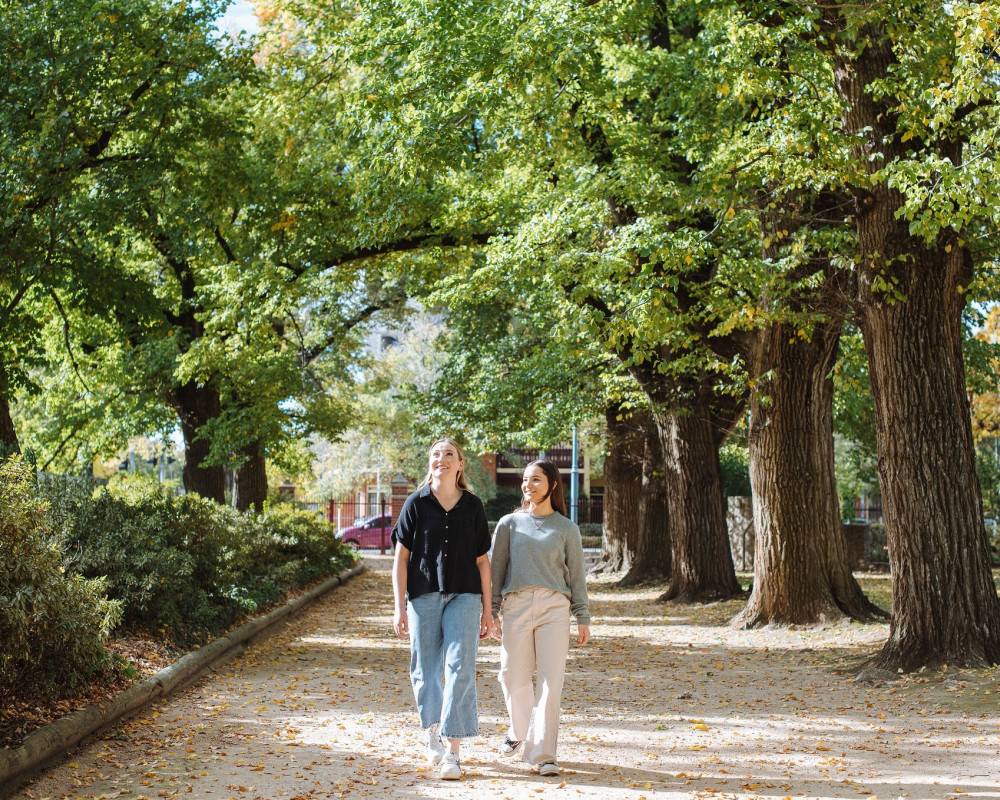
{"x": 451, "y": 769}
{"x": 435, "y": 747}
{"x": 549, "y": 769}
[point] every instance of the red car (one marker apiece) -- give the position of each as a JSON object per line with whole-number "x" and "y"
{"x": 369, "y": 533}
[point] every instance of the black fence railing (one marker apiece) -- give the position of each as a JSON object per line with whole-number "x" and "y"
{"x": 367, "y": 524}
{"x": 589, "y": 510}
{"x": 517, "y": 457}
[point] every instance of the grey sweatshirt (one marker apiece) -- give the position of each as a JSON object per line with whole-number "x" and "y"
{"x": 548, "y": 558}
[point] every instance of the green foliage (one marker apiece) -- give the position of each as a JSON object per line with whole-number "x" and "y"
{"x": 506, "y": 500}
{"x": 988, "y": 469}
{"x": 855, "y": 458}
{"x": 186, "y": 564}
{"x": 53, "y": 623}
{"x": 92, "y": 98}
{"x": 734, "y": 466}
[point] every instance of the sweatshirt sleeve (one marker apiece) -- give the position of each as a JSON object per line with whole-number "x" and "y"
{"x": 579, "y": 602}
{"x": 499, "y": 562}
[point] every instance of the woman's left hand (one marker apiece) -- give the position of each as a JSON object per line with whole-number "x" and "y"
{"x": 486, "y": 625}
{"x": 583, "y": 634}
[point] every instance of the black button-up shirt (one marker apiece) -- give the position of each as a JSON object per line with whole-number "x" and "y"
{"x": 443, "y": 545}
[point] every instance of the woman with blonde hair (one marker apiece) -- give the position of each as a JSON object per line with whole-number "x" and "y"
{"x": 442, "y": 591}
{"x": 539, "y": 580}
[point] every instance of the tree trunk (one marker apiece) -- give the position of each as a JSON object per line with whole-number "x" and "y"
{"x": 651, "y": 557}
{"x": 702, "y": 567}
{"x": 195, "y": 406}
{"x": 945, "y": 605}
{"x": 250, "y": 481}
{"x": 622, "y": 489}
{"x": 801, "y": 570}
{"x": 8, "y": 435}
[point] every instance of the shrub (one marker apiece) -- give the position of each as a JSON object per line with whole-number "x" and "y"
{"x": 283, "y": 549}
{"x": 156, "y": 550}
{"x": 506, "y": 500}
{"x": 187, "y": 564}
{"x": 53, "y": 624}
{"x": 734, "y": 469}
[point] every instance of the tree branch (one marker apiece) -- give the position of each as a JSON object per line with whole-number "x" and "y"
{"x": 417, "y": 242}
{"x": 66, "y": 335}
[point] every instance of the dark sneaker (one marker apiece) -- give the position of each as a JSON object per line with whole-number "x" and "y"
{"x": 509, "y": 746}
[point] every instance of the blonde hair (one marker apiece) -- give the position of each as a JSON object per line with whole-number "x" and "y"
{"x": 460, "y": 477}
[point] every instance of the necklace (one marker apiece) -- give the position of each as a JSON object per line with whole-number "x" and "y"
{"x": 537, "y": 521}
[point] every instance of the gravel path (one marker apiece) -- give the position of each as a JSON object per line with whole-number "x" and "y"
{"x": 667, "y": 701}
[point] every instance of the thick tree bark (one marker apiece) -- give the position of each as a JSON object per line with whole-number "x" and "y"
{"x": 8, "y": 435}
{"x": 801, "y": 570}
{"x": 702, "y": 566}
{"x": 651, "y": 556}
{"x": 250, "y": 480}
{"x": 622, "y": 490}
{"x": 195, "y": 406}
{"x": 945, "y": 605}
{"x": 691, "y": 430}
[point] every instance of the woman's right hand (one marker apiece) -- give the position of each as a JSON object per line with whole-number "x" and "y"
{"x": 400, "y": 623}
{"x": 496, "y": 629}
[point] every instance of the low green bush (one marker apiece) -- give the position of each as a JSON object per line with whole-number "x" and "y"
{"x": 506, "y": 500}
{"x": 189, "y": 565}
{"x": 53, "y": 623}
{"x": 734, "y": 470}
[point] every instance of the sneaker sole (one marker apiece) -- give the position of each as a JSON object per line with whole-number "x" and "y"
{"x": 502, "y": 750}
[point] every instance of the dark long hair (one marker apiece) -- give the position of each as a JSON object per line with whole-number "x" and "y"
{"x": 554, "y": 478}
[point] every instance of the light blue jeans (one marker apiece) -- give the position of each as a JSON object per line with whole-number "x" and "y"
{"x": 444, "y": 640}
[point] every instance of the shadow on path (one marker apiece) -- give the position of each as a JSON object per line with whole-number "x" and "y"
{"x": 666, "y": 701}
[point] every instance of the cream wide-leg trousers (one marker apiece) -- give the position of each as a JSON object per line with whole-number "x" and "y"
{"x": 535, "y": 642}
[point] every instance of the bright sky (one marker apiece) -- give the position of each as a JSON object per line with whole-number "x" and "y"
{"x": 239, "y": 16}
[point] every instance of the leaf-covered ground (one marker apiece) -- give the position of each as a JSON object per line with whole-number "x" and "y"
{"x": 144, "y": 656}
{"x": 667, "y": 701}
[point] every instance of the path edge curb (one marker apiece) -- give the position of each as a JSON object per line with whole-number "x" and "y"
{"x": 46, "y": 745}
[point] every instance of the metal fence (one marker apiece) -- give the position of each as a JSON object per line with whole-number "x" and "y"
{"x": 589, "y": 510}
{"x": 366, "y": 524}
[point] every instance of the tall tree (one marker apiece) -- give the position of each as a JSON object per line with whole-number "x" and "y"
{"x": 89, "y": 93}
{"x": 521, "y": 370}
{"x": 916, "y": 88}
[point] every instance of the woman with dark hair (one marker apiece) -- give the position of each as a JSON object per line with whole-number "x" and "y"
{"x": 441, "y": 586}
{"x": 539, "y": 580}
